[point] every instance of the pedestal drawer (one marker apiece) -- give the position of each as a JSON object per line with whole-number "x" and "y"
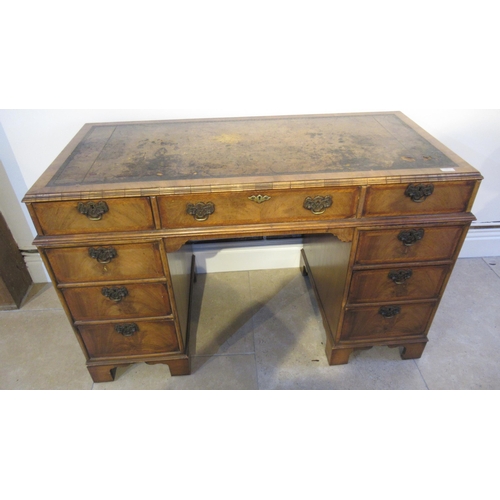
{"x": 418, "y": 198}
{"x": 386, "y": 322}
{"x": 408, "y": 244}
{"x": 110, "y": 302}
{"x": 105, "y": 262}
{"x": 248, "y": 207}
{"x": 94, "y": 216}
{"x": 393, "y": 284}
{"x": 129, "y": 338}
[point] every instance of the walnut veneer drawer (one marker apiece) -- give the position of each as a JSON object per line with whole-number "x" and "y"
{"x": 110, "y": 302}
{"x": 409, "y": 244}
{"x": 96, "y": 216}
{"x": 106, "y": 263}
{"x": 248, "y": 207}
{"x": 418, "y": 198}
{"x": 129, "y": 338}
{"x": 386, "y": 322}
{"x": 385, "y": 285}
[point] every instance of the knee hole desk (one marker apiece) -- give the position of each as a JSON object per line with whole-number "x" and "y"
{"x": 383, "y": 207}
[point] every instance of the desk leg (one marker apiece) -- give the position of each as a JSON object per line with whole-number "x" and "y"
{"x": 102, "y": 373}
{"x": 413, "y": 351}
{"x": 177, "y": 366}
{"x": 339, "y": 356}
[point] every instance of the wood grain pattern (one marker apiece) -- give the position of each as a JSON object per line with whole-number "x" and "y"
{"x": 383, "y": 246}
{"x": 238, "y": 208}
{"x": 448, "y": 197}
{"x": 133, "y": 214}
{"x": 375, "y": 285}
{"x": 133, "y": 261}
{"x": 367, "y": 323}
{"x": 143, "y": 300}
{"x": 152, "y": 337}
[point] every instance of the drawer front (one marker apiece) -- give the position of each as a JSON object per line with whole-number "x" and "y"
{"x": 129, "y": 338}
{"x": 418, "y": 198}
{"x": 409, "y": 244}
{"x": 386, "y": 322}
{"x": 111, "y": 302}
{"x": 385, "y": 285}
{"x": 105, "y": 262}
{"x": 96, "y": 216}
{"x": 249, "y": 207}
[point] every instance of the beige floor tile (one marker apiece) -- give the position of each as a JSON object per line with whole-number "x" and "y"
{"x": 227, "y": 372}
{"x": 39, "y": 351}
{"x": 464, "y": 340}
{"x": 221, "y": 315}
{"x": 290, "y": 343}
{"x": 42, "y": 296}
{"x": 138, "y": 377}
{"x": 494, "y": 264}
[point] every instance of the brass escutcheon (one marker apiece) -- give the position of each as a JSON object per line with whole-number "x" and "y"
{"x": 259, "y": 198}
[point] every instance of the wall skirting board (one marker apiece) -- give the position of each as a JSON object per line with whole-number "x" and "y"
{"x": 281, "y": 253}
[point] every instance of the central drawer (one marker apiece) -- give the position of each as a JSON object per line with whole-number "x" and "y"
{"x": 110, "y": 302}
{"x": 249, "y": 207}
{"x": 129, "y": 339}
{"x": 106, "y": 262}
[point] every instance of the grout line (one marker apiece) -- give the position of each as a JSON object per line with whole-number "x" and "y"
{"x": 224, "y": 354}
{"x": 418, "y": 368}
{"x": 490, "y": 267}
{"x": 253, "y": 331}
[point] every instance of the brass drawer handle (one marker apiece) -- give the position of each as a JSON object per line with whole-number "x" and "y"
{"x": 103, "y": 255}
{"x": 419, "y": 192}
{"x": 318, "y": 204}
{"x": 115, "y": 293}
{"x": 127, "y": 329}
{"x": 94, "y": 211}
{"x": 201, "y": 211}
{"x": 260, "y": 198}
{"x": 400, "y": 276}
{"x": 389, "y": 311}
{"x": 411, "y": 236}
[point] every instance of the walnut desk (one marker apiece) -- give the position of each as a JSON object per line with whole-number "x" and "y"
{"x": 384, "y": 209}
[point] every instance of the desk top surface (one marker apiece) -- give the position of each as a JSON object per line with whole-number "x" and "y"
{"x": 166, "y": 157}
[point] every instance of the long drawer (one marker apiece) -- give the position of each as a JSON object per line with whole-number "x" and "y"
{"x": 106, "y": 262}
{"x": 137, "y": 338}
{"x": 247, "y": 207}
{"x": 408, "y": 244}
{"x": 112, "y": 302}
{"x": 386, "y": 322}
{"x": 397, "y": 284}
{"x": 94, "y": 216}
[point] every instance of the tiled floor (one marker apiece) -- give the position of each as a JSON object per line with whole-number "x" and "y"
{"x": 262, "y": 330}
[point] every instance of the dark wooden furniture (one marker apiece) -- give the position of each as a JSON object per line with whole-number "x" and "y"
{"x": 384, "y": 209}
{"x": 15, "y": 279}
